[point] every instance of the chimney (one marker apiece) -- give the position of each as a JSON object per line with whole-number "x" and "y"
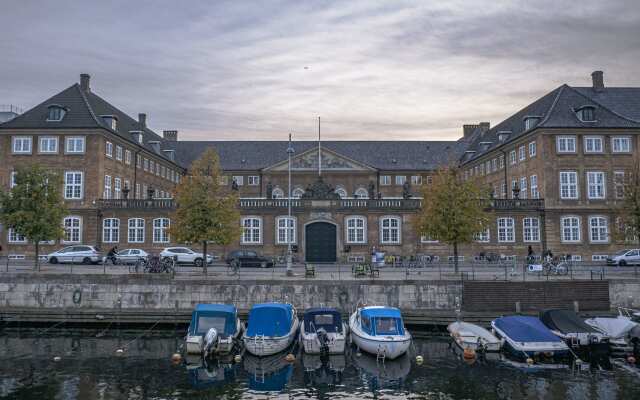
{"x": 597, "y": 77}
{"x": 142, "y": 120}
{"x": 84, "y": 82}
{"x": 467, "y": 130}
{"x": 171, "y": 136}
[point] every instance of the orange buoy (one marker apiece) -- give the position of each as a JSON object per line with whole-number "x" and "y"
{"x": 631, "y": 360}
{"x": 530, "y": 361}
{"x": 290, "y": 357}
{"x": 176, "y": 358}
{"x": 469, "y": 353}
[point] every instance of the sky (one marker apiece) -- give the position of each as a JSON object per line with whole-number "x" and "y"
{"x": 372, "y": 70}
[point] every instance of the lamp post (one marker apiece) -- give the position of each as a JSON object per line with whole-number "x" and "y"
{"x": 290, "y": 152}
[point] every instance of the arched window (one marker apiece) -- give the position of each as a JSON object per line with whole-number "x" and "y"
{"x": 161, "y": 230}
{"x": 356, "y": 230}
{"x": 111, "y": 230}
{"x": 340, "y": 191}
{"x": 251, "y": 230}
{"x": 297, "y": 193}
{"x": 362, "y": 193}
{"x": 136, "y": 230}
{"x": 277, "y": 193}
{"x": 72, "y": 229}
{"x": 390, "y": 230}
{"x": 285, "y": 230}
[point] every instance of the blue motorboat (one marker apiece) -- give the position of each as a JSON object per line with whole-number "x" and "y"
{"x": 528, "y": 336}
{"x": 214, "y": 329}
{"x": 272, "y": 327}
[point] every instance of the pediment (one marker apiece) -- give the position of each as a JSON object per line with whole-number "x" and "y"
{"x": 331, "y": 161}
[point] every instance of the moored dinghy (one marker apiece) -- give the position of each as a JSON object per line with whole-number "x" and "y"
{"x": 271, "y": 328}
{"x": 474, "y": 337}
{"x": 214, "y": 329}
{"x": 322, "y": 331}
{"x": 379, "y": 331}
{"x": 524, "y": 335}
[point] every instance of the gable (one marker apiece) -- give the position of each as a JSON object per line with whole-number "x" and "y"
{"x": 331, "y": 161}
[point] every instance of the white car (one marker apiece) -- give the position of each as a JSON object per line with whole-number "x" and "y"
{"x": 185, "y": 256}
{"x": 625, "y": 257}
{"x": 130, "y": 256}
{"x": 79, "y": 254}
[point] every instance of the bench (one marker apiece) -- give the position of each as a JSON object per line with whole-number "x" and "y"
{"x": 309, "y": 271}
{"x": 358, "y": 270}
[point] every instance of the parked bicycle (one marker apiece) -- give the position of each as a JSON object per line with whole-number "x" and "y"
{"x": 557, "y": 266}
{"x": 155, "y": 265}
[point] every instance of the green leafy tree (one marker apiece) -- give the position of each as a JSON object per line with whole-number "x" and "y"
{"x": 453, "y": 209}
{"x": 206, "y": 210}
{"x": 34, "y": 207}
{"x": 627, "y": 209}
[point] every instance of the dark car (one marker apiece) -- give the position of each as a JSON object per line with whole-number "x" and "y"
{"x": 249, "y": 258}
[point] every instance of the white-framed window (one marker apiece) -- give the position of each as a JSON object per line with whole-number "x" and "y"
{"x": 152, "y": 166}
{"x": 483, "y": 236}
{"x": 503, "y": 190}
{"x": 73, "y": 185}
{"x": 21, "y": 144}
{"x": 117, "y": 188}
{"x": 531, "y": 229}
{"x": 522, "y": 153}
{"x": 494, "y": 164}
{"x": 532, "y": 149}
{"x": 512, "y": 157}
{"x": 277, "y": 193}
{"x": 506, "y": 231}
{"x": 111, "y": 230}
{"x": 568, "y": 185}
{"x": 523, "y": 187}
{"x": 428, "y": 239}
{"x": 618, "y": 183}
{"x": 107, "y": 187}
{"x": 127, "y": 185}
{"x": 138, "y": 161}
{"x": 501, "y": 162}
{"x": 138, "y": 193}
{"x": 598, "y": 229}
{"x": 136, "y": 230}
{"x": 566, "y": 144}
{"x": 239, "y": 179}
{"x": 595, "y": 185}
{"x": 297, "y": 193}
{"x": 286, "y": 230}
{"x": 56, "y": 113}
{"x": 621, "y": 144}
{"x": 109, "y": 149}
{"x": 385, "y": 180}
{"x": 74, "y": 144}
{"x": 13, "y": 179}
{"x": 390, "y": 230}
{"x": 361, "y": 193}
{"x": 48, "y": 144}
{"x": 253, "y": 180}
{"x": 570, "y": 229}
{"x": 416, "y": 180}
{"x": 72, "y": 229}
{"x": 593, "y": 144}
{"x": 157, "y": 169}
{"x": 118, "y": 153}
{"x": 127, "y": 157}
{"x": 342, "y": 192}
{"x": 145, "y": 164}
{"x": 400, "y": 180}
{"x": 599, "y": 257}
{"x": 429, "y": 179}
{"x": 356, "y": 230}
{"x": 533, "y": 180}
{"x": 161, "y": 230}
{"x": 251, "y": 230}
{"x": 15, "y": 237}
{"x": 487, "y": 166}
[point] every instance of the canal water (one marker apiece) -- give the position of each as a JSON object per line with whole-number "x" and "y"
{"x": 85, "y": 364}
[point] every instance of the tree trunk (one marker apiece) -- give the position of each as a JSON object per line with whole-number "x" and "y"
{"x": 37, "y": 255}
{"x": 455, "y": 256}
{"x": 204, "y": 256}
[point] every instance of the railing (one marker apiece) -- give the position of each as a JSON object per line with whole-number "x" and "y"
{"x": 517, "y": 204}
{"x": 135, "y": 203}
{"x": 10, "y": 108}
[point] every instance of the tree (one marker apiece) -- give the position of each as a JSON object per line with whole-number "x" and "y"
{"x": 206, "y": 211}
{"x": 34, "y": 206}
{"x": 453, "y": 209}
{"x": 627, "y": 211}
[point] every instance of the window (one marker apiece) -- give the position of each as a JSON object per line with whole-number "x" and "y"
{"x": 621, "y": 144}
{"x": 494, "y": 164}
{"x": 138, "y": 161}
{"x": 111, "y": 121}
{"x": 72, "y": 230}
{"x": 146, "y": 164}
{"x": 427, "y": 239}
{"x": 161, "y": 230}
{"x": 127, "y": 157}
{"x": 111, "y": 230}
{"x": 15, "y": 237}
{"x": 501, "y": 162}
{"x": 74, "y": 144}
{"x": 286, "y": 230}
{"x": 533, "y": 180}
{"x": 523, "y": 187}
{"x": 138, "y": 193}
{"x": 568, "y": 185}
{"x": 593, "y": 144}
{"x": 109, "y": 149}
{"x": 385, "y": 180}
{"x": 488, "y": 166}
{"x": 503, "y": 189}
{"x": 107, "y": 187}
{"x": 566, "y": 144}
{"x": 251, "y": 230}
{"x": 73, "y": 185}
{"x": 48, "y": 144}
{"x": 361, "y": 193}
{"x": 595, "y": 184}
{"x": 429, "y": 179}
{"x": 152, "y": 166}
{"x": 119, "y": 153}
{"x": 598, "y": 230}
{"x": 341, "y": 192}
{"x": 56, "y": 113}
{"x": 522, "y": 154}
{"x": 127, "y": 185}
{"x": 482, "y": 236}
{"x": 136, "y": 230}
{"x": 390, "y": 230}
{"x": 239, "y": 179}
{"x": 586, "y": 114}
{"x": 512, "y": 157}
{"x": 618, "y": 182}
{"x": 400, "y": 180}
{"x": 506, "y": 230}
{"x": 416, "y": 180}
{"x": 13, "y": 179}
{"x": 531, "y": 229}
{"x": 21, "y": 144}
{"x": 356, "y": 230}
{"x": 570, "y": 229}
{"x": 532, "y": 149}
{"x": 253, "y": 180}
{"x": 117, "y": 187}
{"x": 277, "y": 193}
{"x": 530, "y": 123}
{"x": 297, "y": 193}
{"x": 157, "y": 169}
{"x": 223, "y": 180}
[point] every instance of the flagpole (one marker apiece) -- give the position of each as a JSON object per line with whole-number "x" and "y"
{"x": 319, "y": 151}
{"x": 288, "y": 229}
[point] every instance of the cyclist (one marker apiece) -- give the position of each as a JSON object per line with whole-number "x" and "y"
{"x": 111, "y": 255}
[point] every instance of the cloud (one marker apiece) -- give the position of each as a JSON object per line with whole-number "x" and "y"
{"x": 372, "y": 70}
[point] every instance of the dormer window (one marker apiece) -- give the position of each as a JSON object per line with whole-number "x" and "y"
{"x": 111, "y": 121}
{"x": 56, "y": 113}
{"x": 503, "y": 135}
{"x": 586, "y": 114}
{"x": 530, "y": 122}
{"x": 484, "y": 146}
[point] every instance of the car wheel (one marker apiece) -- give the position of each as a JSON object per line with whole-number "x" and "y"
{"x": 198, "y": 262}
{"x": 622, "y": 263}
{"x": 86, "y": 260}
{"x": 53, "y": 260}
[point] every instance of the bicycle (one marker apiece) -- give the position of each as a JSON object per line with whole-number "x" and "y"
{"x": 234, "y": 267}
{"x": 556, "y": 267}
{"x": 155, "y": 265}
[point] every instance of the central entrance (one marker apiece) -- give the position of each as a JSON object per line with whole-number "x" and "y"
{"x": 320, "y": 242}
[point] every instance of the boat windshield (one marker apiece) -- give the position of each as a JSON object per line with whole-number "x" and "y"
{"x": 387, "y": 326}
{"x": 207, "y": 322}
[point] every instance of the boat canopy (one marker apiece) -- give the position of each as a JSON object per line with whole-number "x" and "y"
{"x": 270, "y": 319}
{"x": 525, "y": 329}
{"x": 381, "y": 321}
{"x": 326, "y": 318}
{"x": 220, "y": 316}
{"x": 565, "y": 321}
{"x": 613, "y": 327}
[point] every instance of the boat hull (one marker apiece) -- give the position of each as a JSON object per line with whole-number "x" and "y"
{"x": 474, "y": 337}
{"x": 267, "y": 345}
{"x": 311, "y": 344}
{"x": 389, "y": 346}
{"x": 195, "y": 344}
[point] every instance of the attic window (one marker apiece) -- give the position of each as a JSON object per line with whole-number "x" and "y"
{"x": 111, "y": 121}
{"x": 485, "y": 145}
{"x": 530, "y": 122}
{"x": 503, "y": 135}
{"x": 586, "y": 114}
{"x": 56, "y": 113}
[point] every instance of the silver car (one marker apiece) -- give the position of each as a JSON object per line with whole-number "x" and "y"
{"x": 625, "y": 257}
{"x": 130, "y": 256}
{"x": 79, "y": 254}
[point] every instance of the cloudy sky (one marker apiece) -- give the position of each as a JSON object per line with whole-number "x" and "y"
{"x": 371, "y": 69}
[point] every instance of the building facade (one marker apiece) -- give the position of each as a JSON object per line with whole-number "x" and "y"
{"x": 555, "y": 168}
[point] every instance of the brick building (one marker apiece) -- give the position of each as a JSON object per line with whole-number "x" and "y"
{"x": 554, "y": 166}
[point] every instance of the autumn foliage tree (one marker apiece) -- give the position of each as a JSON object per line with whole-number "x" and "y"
{"x": 206, "y": 211}
{"x": 453, "y": 209}
{"x": 627, "y": 209}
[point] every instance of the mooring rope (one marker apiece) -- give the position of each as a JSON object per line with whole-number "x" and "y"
{"x": 140, "y": 336}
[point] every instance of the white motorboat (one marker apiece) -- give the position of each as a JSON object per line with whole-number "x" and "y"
{"x": 379, "y": 331}
{"x": 474, "y": 337}
{"x": 323, "y": 332}
{"x": 272, "y": 327}
{"x": 618, "y": 329}
{"x": 528, "y": 336}
{"x": 214, "y": 329}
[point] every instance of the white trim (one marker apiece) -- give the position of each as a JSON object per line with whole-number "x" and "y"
{"x": 56, "y": 141}
{"x": 606, "y": 227}
{"x": 560, "y": 138}
{"x": 577, "y": 185}
{"x": 108, "y": 149}
{"x": 613, "y": 139}
{"x": 286, "y": 229}
{"x": 585, "y": 140}
{"x": 260, "y": 230}
{"x": 531, "y": 229}
{"x": 390, "y": 228}
{"x": 73, "y": 185}
{"x": 562, "y": 227}
{"x": 69, "y": 139}
{"x": 507, "y": 227}
{"x": 364, "y": 229}
{"x": 136, "y": 228}
{"x": 602, "y": 186}
{"x": 79, "y": 228}
{"x": 163, "y": 230}
{"x": 21, "y": 139}
{"x": 111, "y": 229}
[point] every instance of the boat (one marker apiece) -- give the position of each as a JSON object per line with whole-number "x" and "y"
{"x": 619, "y": 330}
{"x": 567, "y": 325}
{"x": 380, "y": 331}
{"x": 323, "y": 332}
{"x": 214, "y": 329}
{"x": 272, "y": 327}
{"x": 474, "y": 337}
{"x": 528, "y": 336}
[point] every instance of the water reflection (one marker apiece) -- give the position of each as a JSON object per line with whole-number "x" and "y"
{"x": 268, "y": 374}
{"x": 389, "y": 374}
{"x": 323, "y": 370}
{"x": 205, "y": 374}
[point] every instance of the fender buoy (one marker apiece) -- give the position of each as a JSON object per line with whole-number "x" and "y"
{"x": 419, "y": 360}
{"x": 530, "y": 361}
{"x": 469, "y": 353}
{"x": 290, "y": 357}
{"x": 77, "y": 296}
{"x": 176, "y": 358}
{"x": 631, "y": 360}
{"x": 237, "y": 358}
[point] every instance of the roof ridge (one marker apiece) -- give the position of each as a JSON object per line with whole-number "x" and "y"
{"x": 86, "y": 103}
{"x": 553, "y": 105}
{"x": 603, "y": 106}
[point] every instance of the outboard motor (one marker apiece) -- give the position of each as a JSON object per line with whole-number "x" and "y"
{"x": 324, "y": 342}
{"x": 211, "y": 341}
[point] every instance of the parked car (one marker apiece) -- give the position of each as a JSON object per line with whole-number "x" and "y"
{"x": 185, "y": 256}
{"x": 249, "y": 258}
{"x": 130, "y": 256}
{"x": 80, "y": 254}
{"x": 625, "y": 257}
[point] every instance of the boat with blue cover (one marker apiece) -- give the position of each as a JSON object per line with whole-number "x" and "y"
{"x": 380, "y": 331}
{"x": 214, "y": 329}
{"x": 272, "y": 327}
{"x": 526, "y": 335}
{"x": 322, "y": 331}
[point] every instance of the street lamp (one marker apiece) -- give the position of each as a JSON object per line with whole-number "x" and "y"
{"x": 290, "y": 152}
